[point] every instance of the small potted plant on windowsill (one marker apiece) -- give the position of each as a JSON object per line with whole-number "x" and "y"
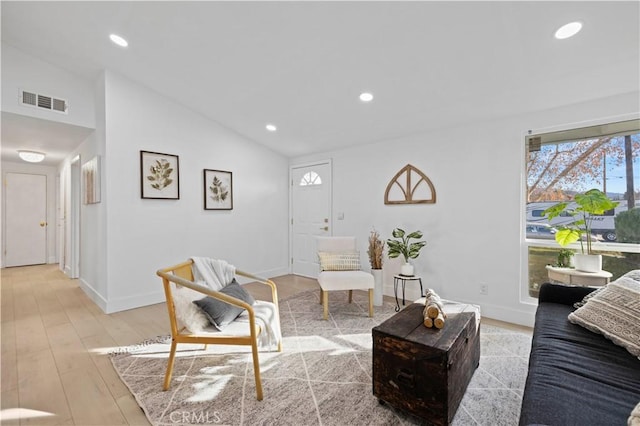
{"x": 403, "y": 246}
{"x": 591, "y": 203}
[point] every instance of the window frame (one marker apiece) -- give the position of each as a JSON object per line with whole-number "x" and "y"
{"x": 526, "y": 243}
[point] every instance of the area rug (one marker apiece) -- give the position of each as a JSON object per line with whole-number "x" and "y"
{"x": 322, "y": 377}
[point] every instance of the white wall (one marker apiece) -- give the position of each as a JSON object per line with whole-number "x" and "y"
{"x": 143, "y": 235}
{"x": 22, "y": 71}
{"x": 473, "y": 232}
{"x": 52, "y": 194}
{"x": 93, "y": 277}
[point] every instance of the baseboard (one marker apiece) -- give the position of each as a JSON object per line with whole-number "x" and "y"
{"x": 90, "y": 291}
{"x": 270, "y": 273}
{"x": 525, "y": 316}
{"x": 52, "y": 259}
{"x": 140, "y": 300}
{"x": 510, "y": 315}
{"x": 122, "y": 304}
{"x": 136, "y": 301}
{"x": 67, "y": 271}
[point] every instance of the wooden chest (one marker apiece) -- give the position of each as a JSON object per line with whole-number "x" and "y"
{"x": 424, "y": 371}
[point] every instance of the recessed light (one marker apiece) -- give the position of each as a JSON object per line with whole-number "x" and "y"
{"x": 31, "y": 156}
{"x": 119, "y": 40}
{"x": 366, "y": 97}
{"x": 271, "y": 127}
{"x": 568, "y": 30}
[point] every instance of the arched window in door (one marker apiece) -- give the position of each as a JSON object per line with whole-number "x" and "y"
{"x": 311, "y": 178}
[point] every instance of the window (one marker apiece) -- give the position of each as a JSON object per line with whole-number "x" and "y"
{"x": 561, "y": 164}
{"x": 310, "y": 178}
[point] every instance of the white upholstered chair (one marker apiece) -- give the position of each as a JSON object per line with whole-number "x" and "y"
{"x": 344, "y": 271}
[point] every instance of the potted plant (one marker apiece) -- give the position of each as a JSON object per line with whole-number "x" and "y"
{"x": 591, "y": 203}
{"x": 376, "y": 247}
{"x": 403, "y": 246}
{"x": 564, "y": 258}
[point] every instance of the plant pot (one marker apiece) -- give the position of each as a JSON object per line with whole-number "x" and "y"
{"x": 406, "y": 270}
{"x": 588, "y": 262}
{"x": 377, "y": 288}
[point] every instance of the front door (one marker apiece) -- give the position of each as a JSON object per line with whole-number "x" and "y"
{"x": 25, "y": 219}
{"x": 310, "y": 213}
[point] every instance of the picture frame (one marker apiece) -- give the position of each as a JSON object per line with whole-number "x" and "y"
{"x": 159, "y": 176}
{"x": 218, "y": 189}
{"x": 91, "y": 181}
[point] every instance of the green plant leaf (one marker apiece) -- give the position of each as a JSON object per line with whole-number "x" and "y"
{"x": 415, "y": 235}
{"x": 398, "y": 233}
{"x": 555, "y": 210}
{"x": 567, "y": 236}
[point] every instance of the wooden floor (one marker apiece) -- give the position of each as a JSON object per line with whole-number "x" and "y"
{"x": 54, "y": 339}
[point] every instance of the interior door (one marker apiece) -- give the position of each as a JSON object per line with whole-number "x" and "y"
{"x": 25, "y": 219}
{"x": 310, "y": 213}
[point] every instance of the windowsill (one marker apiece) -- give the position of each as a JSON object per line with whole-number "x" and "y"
{"x": 597, "y": 247}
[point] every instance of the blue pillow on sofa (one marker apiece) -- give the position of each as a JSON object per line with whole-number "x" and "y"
{"x": 220, "y": 313}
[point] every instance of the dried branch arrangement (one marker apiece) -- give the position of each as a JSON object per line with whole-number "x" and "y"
{"x": 376, "y": 246}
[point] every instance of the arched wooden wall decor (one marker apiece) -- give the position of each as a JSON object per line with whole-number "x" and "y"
{"x": 420, "y": 192}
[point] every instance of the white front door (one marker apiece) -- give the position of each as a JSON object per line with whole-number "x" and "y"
{"x": 310, "y": 213}
{"x": 25, "y": 219}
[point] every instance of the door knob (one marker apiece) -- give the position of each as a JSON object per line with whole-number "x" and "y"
{"x": 43, "y": 224}
{"x": 326, "y": 228}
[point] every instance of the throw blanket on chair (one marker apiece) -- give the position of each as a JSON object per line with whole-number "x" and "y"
{"x": 213, "y": 273}
{"x": 267, "y": 319}
{"x": 216, "y": 274}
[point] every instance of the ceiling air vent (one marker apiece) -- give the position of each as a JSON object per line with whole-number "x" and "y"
{"x": 44, "y": 102}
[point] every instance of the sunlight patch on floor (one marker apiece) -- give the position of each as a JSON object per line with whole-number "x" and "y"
{"x": 22, "y": 413}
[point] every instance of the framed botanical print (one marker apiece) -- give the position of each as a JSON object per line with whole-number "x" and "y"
{"x": 218, "y": 190}
{"x": 159, "y": 176}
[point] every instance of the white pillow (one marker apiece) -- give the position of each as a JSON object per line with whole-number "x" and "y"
{"x": 343, "y": 261}
{"x": 188, "y": 314}
{"x": 634, "y": 419}
{"x": 615, "y": 313}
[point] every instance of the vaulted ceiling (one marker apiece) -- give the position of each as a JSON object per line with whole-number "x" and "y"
{"x": 302, "y": 65}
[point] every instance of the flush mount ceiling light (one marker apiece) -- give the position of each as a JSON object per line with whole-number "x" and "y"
{"x": 568, "y": 30}
{"x": 118, "y": 40}
{"x": 31, "y": 156}
{"x": 271, "y": 127}
{"x": 366, "y": 97}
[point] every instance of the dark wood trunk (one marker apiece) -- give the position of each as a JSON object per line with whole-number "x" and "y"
{"x": 424, "y": 371}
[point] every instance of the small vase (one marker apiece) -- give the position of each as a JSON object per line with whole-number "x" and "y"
{"x": 406, "y": 270}
{"x": 377, "y": 288}
{"x": 588, "y": 262}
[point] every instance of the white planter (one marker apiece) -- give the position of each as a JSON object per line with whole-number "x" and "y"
{"x": 588, "y": 262}
{"x": 406, "y": 270}
{"x": 377, "y": 288}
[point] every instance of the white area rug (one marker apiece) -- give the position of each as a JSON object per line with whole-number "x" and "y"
{"x": 323, "y": 376}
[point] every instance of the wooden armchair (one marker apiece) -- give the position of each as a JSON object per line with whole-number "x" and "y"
{"x": 181, "y": 275}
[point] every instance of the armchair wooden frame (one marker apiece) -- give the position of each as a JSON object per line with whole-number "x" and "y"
{"x": 182, "y": 275}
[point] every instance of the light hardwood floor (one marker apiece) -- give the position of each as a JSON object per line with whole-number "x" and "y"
{"x": 54, "y": 363}
{"x": 54, "y": 342}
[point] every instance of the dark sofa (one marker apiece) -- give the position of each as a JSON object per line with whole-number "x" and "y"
{"x": 576, "y": 377}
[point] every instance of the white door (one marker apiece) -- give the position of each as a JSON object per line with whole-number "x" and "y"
{"x": 26, "y": 219}
{"x": 310, "y": 213}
